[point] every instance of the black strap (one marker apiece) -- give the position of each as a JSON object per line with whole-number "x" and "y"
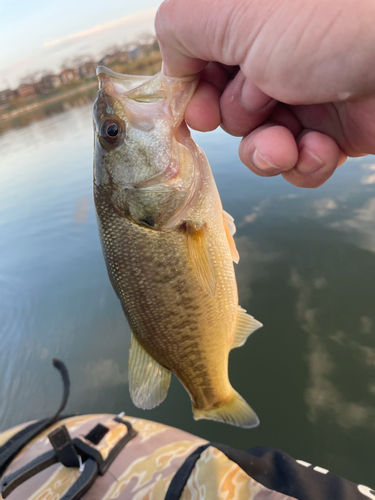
{"x": 15, "y": 444}
{"x": 90, "y": 451}
{"x": 79, "y": 488}
{"x": 60, "y": 366}
{"x": 10, "y": 482}
{"x": 182, "y": 475}
{"x": 84, "y": 482}
{"x": 88, "y": 459}
{"x": 63, "y": 446}
{"x": 276, "y": 471}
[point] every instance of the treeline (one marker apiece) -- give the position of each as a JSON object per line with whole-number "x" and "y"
{"x": 141, "y": 58}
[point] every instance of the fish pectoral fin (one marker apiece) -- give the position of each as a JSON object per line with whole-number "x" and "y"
{"x": 200, "y": 258}
{"x": 148, "y": 380}
{"x": 245, "y": 326}
{"x": 234, "y": 411}
{"x": 230, "y": 221}
{"x": 230, "y": 229}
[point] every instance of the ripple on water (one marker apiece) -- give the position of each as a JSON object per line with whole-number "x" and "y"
{"x": 16, "y": 311}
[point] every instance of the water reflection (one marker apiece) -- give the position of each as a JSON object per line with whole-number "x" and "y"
{"x": 307, "y": 271}
{"x": 360, "y": 227}
{"x": 323, "y": 396}
{"x": 50, "y": 109}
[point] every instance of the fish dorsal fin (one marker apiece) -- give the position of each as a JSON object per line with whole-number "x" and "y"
{"x": 148, "y": 380}
{"x": 200, "y": 258}
{"x": 245, "y": 326}
{"x": 230, "y": 229}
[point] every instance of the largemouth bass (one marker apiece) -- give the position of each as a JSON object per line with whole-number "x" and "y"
{"x": 168, "y": 246}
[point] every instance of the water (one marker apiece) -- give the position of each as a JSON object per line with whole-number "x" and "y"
{"x": 307, "y": 271}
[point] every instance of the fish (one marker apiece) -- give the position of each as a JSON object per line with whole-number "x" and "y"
{"x": 168, "y": 246}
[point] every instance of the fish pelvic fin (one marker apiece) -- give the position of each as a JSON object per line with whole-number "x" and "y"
{"x": 200, "y": 258}
{"x": 245, "y": 326}
{"x": 148, "y": 380}
{"x": 230, "y": 229}
{"x": 234, "y": 411}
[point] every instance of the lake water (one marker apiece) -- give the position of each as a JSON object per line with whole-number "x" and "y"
{"x": 307, "y": 271}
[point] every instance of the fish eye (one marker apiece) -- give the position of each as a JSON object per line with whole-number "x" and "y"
{"x": 110, "y": 130}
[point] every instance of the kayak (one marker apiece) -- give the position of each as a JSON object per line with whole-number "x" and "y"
{"x": 105, "y": 457}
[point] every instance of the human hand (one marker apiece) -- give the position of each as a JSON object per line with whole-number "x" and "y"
{"x": 295, "y": 79}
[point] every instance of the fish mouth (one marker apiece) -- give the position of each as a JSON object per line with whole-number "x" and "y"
{"x": 129, "y": 81}
{"x": 141, "y": 88}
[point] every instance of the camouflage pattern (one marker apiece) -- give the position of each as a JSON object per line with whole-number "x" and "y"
{"x": 144, "y": 468}
{"x": 216, "y": 477}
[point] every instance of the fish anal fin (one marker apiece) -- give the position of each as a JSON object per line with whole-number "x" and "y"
{"x": 230, "y": 229}
{"x": 245, "y": 326}
{"x": 234, "y": 411}
{"x": 200, "y": 258}
{"x": 148, "y": 380}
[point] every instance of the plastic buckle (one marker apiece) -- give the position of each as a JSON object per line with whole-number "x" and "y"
{"x": 91, "y": 456}
{"x": 105, "y": 450}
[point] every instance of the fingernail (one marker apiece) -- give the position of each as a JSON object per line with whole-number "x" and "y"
{"x": 263, "y": 164}
{"x": 309, "y": 162}
{"x": 252, "y": 98}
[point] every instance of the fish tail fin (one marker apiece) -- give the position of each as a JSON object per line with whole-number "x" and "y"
{"x": 234, "y": 411}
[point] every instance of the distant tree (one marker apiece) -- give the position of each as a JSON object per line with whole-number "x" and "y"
{"x": 80, "y": 59}
{"x": 113, "y": 49}
{"x": 34, "y": 77}
{"x": 66, "y": 63}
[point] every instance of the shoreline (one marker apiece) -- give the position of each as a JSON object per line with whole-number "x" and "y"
{"x": 40, "y": 104}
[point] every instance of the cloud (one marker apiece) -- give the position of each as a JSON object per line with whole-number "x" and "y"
{"x": 128, "y": 20}
{"x": 254, "y": 260}
{"x": 103, "y": 373}
{"x": 324, "y": 206}
{"x": 361, "y": 225}
{"x": 50, "y": 54}
{"x": 250, "y": 218}
{"x": 370, "y": 179}
{"x": 322, "y": 395}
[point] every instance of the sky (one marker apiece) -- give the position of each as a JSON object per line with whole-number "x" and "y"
{"x": 42, "y": 34}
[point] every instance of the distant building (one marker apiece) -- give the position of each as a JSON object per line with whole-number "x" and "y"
{"x": 120, "y": 56}
{"x": 149, "y": 44}
{"x": 69, "y": 75}
{"x": 7, "y": 96}
{"x": 87, "y": 70}
{"x": 26, "y": 90}
{"x": 47, "y": 84}
{"x": 123, "y": 56}
{"x": 106, "y": 60}
{"x": 135, "y": 53}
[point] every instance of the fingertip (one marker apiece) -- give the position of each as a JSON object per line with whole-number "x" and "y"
{"x": 203, "y": 111}
{"x": 269, "y": 150}
{"x": 319, "y": 156}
